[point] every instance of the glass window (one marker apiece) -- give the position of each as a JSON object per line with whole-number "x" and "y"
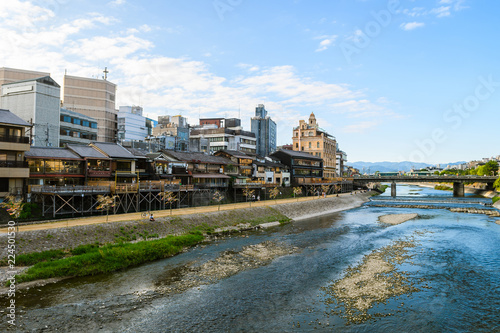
{"x": 93, "y": 125}
{"x": 85, "y": 123}
{"x": 67, "y": 119}
{"x": 317, "y": 144}
{"x": 76, "y": 121}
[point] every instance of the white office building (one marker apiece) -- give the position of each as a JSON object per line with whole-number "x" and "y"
{"x": 131, "y": 124}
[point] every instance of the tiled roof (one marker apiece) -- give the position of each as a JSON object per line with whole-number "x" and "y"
{"x": 197, "y": 157}
{"x": 113, "y": 150}
{"x": 51, "y": 152}
{"x": 86, "y": 151}
{"x": 7, "y": 117}
{"x": 138, "y": 153}
{"x": 297, "y": 154}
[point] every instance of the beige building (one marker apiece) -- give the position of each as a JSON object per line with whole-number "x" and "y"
{"x": 9, "y": 75}
{"x": 310, "y": 138}
{"x": 14, "y": 171}
{"x": 94, "y": 98}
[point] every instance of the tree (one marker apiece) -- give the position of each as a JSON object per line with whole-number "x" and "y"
{"x": 496, "y": 184}
{"x": 491, "y": 168}
{"x": 105, "y": 202}
{"x": 218, "y": 197}
{"x": 325, "y": 188}
{"x": 248, "y": 193}
{"x": 297, "y": 191}
{"x": 13, "y": 205}
{"x": 274, "y": 193}
{"x": 169, "y": 197}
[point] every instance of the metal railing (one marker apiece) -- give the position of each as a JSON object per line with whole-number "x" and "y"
{"x": 14, "y": 138}
{"x": 79, "y": 189}
{"x": 13, "y": 164}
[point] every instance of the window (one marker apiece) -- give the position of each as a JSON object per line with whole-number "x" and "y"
{"x": 296, "y": 145}
{"x": 85, "y": 123}
{"x": 67, "y": 119}
{"x": 76, "y": 121}
{"x": 302, "y": 148}
{"x": 93, "y": 125}
{"x": 310, "y": 145}
{"x": 317, "y": 144}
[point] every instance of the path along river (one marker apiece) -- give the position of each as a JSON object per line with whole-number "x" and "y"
{"x": 344, "y": 272}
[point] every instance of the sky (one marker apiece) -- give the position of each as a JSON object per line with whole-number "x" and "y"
{"x": 407, "y": 80}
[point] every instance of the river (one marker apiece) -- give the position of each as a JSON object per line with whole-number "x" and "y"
{"x": 344, "y": 272}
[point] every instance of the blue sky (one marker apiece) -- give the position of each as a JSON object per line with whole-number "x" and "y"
{"x": 391, "y": 80}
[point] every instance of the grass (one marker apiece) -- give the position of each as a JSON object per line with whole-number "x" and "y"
{"x": 92, "y": 260}
{"x": 33, "y": 258}
{"x": 495, "y": 199}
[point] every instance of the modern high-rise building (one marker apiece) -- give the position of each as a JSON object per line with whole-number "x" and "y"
{"x": 36, "y": 101}
{"x": 94, "y": 98}
{"x": 131, "y": 124}
{"x": 264, "y": 129}
{"x": 310, "y": 138}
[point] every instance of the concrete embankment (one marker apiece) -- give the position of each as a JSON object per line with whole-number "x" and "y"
{"x": 135, "y": 230}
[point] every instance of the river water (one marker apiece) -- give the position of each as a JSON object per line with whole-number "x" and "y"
{"x": 439, "y": 272}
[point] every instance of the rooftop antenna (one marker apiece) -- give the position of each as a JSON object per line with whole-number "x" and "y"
{"x": 105, "y": 71}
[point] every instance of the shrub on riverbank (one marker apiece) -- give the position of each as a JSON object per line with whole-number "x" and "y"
{"x": 443, "y": 188}
{"x": 495, "y": 199}
{"x": 97, "y": 260}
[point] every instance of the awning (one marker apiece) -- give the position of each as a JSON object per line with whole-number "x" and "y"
{"x": 211, "y": 175}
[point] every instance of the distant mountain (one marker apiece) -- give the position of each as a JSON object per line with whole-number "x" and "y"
{"x": 371, "y": 167}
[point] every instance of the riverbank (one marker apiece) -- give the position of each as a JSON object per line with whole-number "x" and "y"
{"x": 67, "y": 238}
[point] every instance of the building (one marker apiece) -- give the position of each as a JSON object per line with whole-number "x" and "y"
{"x": 10, "y": 75}
{"x": 176, "y": 127}
{"x": 241, "y": 163}
{"x": 76, "y": 128}
{"x": 228, "y": 136}
{"x": 123, "y": 162}
{"x": 341, "y": 160}
{"x": 309, "y": 137}
{"x": 304, "y": 167}
{"x": 14, "y": 143}
{"x": 264, "y": 129}
{"x": 131, "y": 124}
{"x": 54, "y": 166}
{"x": 94, "y": 98}
{"x": 36, "y": 101}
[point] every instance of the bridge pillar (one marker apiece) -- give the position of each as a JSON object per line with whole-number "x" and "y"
{"x": 393, "y": 189}
{"x": 489, "y": 187}
{"x": 458, "y": 189}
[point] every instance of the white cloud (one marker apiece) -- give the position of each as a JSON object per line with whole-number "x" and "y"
{"x": 117, "y": 2}
{"x": 326, "y": 42}
{"x": 412, "y": 25}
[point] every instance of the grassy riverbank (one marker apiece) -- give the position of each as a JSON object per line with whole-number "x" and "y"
{"x": 92, "y": 260}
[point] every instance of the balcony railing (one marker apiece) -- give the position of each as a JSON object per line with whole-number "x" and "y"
{"x": 14, "y": 139}
{"x": 13, "y": 164}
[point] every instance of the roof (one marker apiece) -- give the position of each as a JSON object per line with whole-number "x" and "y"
{"x": 52, "y": 153}
{"x": 195, "y": 157}
{"x": 87, "y": 151}
{"x": 210, "y": 175}
{"x": 294, "y": 153}
{"x": 113, "y": 150}
{"x": 7, "y": 117}
{"x": 138, "y": 153}
{"x": 236, "y": 153}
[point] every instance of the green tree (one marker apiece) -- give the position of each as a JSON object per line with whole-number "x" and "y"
{"x": 491, "y": 168}
{"x": 496, "y": 184}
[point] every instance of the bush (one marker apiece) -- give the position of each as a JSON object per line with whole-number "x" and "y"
{"x": 495, "y": 199}
{"x": 29, "y": 210}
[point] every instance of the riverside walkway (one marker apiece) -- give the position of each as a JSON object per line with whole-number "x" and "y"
{"x": 64, "y": 223}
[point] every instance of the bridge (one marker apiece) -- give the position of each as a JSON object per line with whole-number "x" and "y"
{"x": 458, "y": 181}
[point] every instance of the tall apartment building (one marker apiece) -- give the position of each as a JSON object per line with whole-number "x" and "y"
{"x": 94, "y": 98}
{"x": 14, "y": 172}
{"x": 264, "y": 129}
{"x": 310, "y": 138}
{"x": 131, "y": 124}
{"x": 36, "y": 101}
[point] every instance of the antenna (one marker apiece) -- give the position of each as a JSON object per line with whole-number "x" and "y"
{"x": 105, "y": 71}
